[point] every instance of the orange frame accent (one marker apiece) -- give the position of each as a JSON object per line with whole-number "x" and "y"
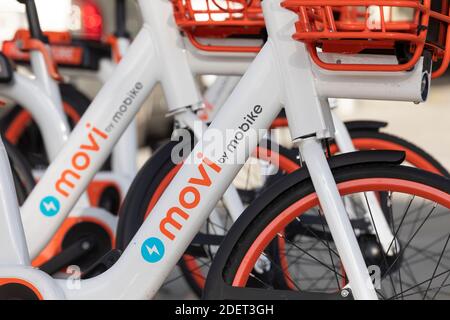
{"x": 374, "y": 184}
{"x": 22, "y": 43}
{"x": 34, "y": 44}
{"x": 114, "y": 43}
{"x": 215, "y": 48}
{"x": 60, "y": 45}
{"x": 96, "y": 189}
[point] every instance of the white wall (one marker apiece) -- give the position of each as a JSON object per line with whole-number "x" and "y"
{"x": 53, "y": 14}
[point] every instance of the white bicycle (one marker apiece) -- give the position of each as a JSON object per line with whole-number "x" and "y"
{"x": 200, "y": 183}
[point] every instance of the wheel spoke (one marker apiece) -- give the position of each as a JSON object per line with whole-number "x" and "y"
{"x": 437, "y": 266}
{"x": 378, "y": 238}
{"x": 410, "y": 240}
{"x": 421, "y": 283}
{"x": 329, "y": 251}
{"x": 312, "y": 257}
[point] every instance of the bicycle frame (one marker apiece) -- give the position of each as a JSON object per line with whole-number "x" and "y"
{"x": 124, "y": 153}
{"x": 44, "y": 103}
{"x": 271, "y": 80}
{"x": 49, "y": 116}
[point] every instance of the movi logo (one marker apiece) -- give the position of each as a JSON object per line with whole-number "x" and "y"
{"x": 189, "y": 197}
{"x": 80, "y": 161}
{"x": 152, "y": 250}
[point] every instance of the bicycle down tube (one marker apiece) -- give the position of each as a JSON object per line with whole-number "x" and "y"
{"x": 108, "y": 116}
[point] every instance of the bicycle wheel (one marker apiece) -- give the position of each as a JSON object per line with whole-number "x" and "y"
{"x": 196, "y": 262}
{"x": 364, "y": 139}
{"x": 366, "y": 136}
{"x": 282, "y": 247}
{"x": 21, "y": 172}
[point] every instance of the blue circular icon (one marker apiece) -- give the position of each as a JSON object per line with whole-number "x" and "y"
{"x": 152, "y": 250}
{"x": 50, "y": 206}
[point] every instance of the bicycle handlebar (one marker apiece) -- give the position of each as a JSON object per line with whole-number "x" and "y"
{"x": 33, "y": 20}
{"x": 121, "y": 19}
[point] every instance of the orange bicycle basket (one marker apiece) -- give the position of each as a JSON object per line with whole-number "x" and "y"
{"x": 406, "y": 28}
{"x": 220, "y": 19}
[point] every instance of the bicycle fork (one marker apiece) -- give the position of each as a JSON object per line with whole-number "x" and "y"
{"x": 372, "y": 210}
{"x": 310, "y": 122}
{"x": 337, "y": 218}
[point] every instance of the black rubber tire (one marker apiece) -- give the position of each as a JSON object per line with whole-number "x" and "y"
{"x": 21, "y": 171}
{"x": 373, "y": 134}
{"x": 371, "y": 130}
{"x": 280, "y": 196}
{"x": 154, "y": 171}
{"x": 135, "y": 204}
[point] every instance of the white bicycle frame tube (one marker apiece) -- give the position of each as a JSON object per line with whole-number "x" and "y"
{"x": 136, "y": 69}
{"x": 231, "y": 198}
{"x": 221, "y": 89}
{"x": 117, "y": 103}
{"x": 44, "y": 103}
{"x": 238, "y": 106}
{"x": 369, "y": 200}
{"x": 124, "y": 154}
{"x": 11, "y": 228}
{"x": 47, "y": 83}
{"x": 49, "y": 116}
{"x": 14, "y": 257}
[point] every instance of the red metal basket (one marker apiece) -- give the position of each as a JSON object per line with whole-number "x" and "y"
{"x": 355, "y": 26}
{"x": 220, "y": 19}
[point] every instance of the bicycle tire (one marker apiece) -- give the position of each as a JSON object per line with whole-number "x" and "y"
{"x": 246, "y": 232}
{"x": 416, "y": 156}
{"x": 21, "y": 171}
{"x": 362, "y": 138}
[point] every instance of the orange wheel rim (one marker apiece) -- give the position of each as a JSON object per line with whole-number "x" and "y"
{"x": 302, "y": 205}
